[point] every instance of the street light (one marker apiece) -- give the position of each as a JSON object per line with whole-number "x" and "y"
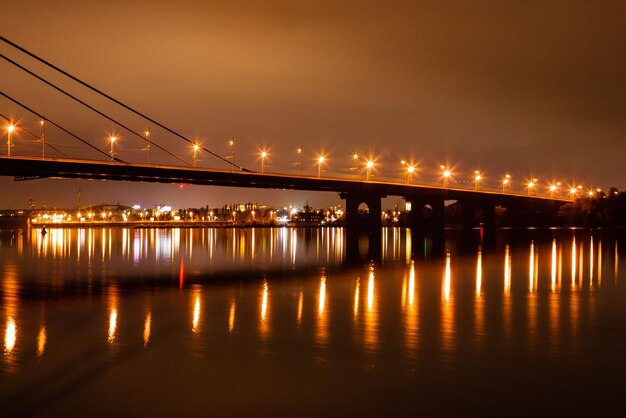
{"x": 10, "y": 130}
{"x": 506, "y": 183}
{"x": 147, "y": 133}
{"x": 446, "y": 174}
{"x": 355, "y": 158}
{"x": 368, "y": 172}
{"x": 196, "y": 148}
{"x": 554, "y": 188}
{"x": 263, "y": 157}
{"x": 320, "y": 161}
{"x": 112, "y": 138}
{"x": 43, "y": 138}
{"x": 531, "y": 185}
{"x": 299, "y": 151}
{"x": 409, "y": 172}
{"x": 231, "y": 143}
{"x": 477, "y": 179}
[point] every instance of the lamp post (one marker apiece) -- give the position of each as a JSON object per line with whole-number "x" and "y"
{"x": 554, "y": 188}
{"x": 506, "y": 183}
{"x": 231, "y": 143}
{"x": 43, "y": 138}
{"x": 196, "y": 148}
{"x": 112, "y": 139}
{"x": 368, "y": 172}
{"x": 531, "y": 185}
{"x": 147, "y": 133}
{"x": 263, "y": 157}
{"x": 355, "y": 158}
{"x": 446, "y": 173}
{"x": 477, "y": 179}
{"x": 320, "y": 161}
{"x": 299, "y": 151}
{"x": 10, "y": 130}
{"x": 409, "y": 172}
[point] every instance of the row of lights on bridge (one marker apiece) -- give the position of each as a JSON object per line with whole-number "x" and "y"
{"x": 554, "y": 189}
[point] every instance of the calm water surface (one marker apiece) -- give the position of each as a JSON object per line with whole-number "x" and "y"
{"x": 276, "y": 322}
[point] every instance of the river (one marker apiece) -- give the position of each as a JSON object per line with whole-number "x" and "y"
{"x": 280, "y": 322}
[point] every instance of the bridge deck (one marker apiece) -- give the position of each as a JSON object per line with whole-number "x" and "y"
{"x": 26, "y": 168}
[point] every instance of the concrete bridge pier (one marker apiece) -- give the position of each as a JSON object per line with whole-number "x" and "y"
{"x": 479, "y": 213}
{"x": 363, "y": 226}
{"x": 426, "y": 212}
{"x": 427, "y": 221}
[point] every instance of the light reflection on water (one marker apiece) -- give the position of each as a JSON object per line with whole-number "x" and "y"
{"x": 177, "y": 294}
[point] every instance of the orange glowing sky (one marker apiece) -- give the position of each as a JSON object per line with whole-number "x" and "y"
{"x": 536, "y": 89}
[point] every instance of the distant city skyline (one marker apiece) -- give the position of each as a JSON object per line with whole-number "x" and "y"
{"x": 536, "y": 91}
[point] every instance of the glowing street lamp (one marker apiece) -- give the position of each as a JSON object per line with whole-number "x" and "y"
{"x": 531, "y": 184}
{"x": 368, "y": 172}
{"x": 506, "y": 183}
{"x": 10, "y": 130}
{"x": 147, "y": 134}
{"x": 42, "y": 123}
{"x": 477, "y": 179}
{"x": 112, "y": 139}
{"x": 446, "y": 173}
{"x": 231, "y": 144}
{"x": 409, "y": 172}
{"x": 320, "y": 161}
{"x": 196, "y": 148}
{"x": 355, "y": 158}
{"x": 263, "y": 155}
{"x": 299, "y": 151}
{"x": 554, "y": 188}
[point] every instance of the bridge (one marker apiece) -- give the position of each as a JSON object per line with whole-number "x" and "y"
{"x": 427, "y": 201}
{"x": 479, "y": 206}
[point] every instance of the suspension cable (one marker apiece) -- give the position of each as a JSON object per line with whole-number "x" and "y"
{"x": 90, "y": 107}
{"x": 61, "y": 128}
{"x": 94, "y": 89}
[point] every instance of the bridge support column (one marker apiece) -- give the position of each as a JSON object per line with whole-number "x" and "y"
{"x": 439, "y": 213}
{"x": 418, "y": 219}
{"x": 488, "y": 210}
{"x": 363, "y": 226}
{"x": 469, "y": 213}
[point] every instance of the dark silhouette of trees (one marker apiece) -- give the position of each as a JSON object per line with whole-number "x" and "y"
{"x": 601, "y": 209}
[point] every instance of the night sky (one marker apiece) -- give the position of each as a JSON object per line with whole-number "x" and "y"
{"x": 531, "y": 88}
